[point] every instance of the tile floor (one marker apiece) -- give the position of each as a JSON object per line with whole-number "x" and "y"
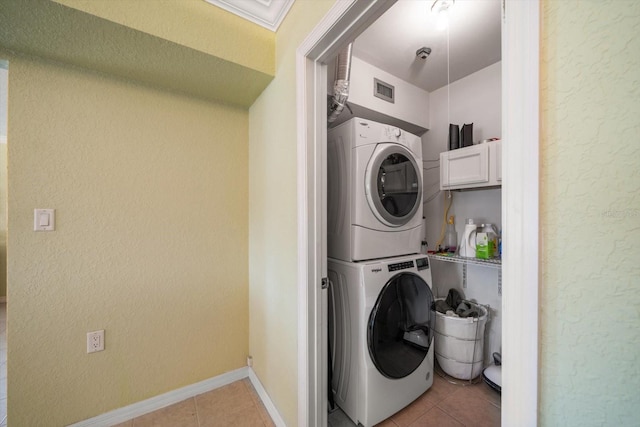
{"x": 236, "y": 404}
{"x": 3, "y": 364}
{"x": 448, "y": 403}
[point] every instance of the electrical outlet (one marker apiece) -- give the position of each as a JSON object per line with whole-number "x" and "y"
{"x": 95, "y": 341}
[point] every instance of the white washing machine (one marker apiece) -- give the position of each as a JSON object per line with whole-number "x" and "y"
{"x": 381, "y": 335}
{"x": 374, "y": 191}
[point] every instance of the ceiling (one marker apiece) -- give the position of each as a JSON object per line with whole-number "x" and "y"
{"x": 473, "y": 41}
{"x": 64, "y": 34}
{"x": 469, "y": 43}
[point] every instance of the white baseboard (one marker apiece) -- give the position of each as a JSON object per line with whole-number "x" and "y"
{"x": 266, "y": 400}
{"x": 158, "y": 402}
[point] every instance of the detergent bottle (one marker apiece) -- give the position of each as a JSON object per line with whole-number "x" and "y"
{"x": 486, "y": 241}
{"x": 467, "y": 247}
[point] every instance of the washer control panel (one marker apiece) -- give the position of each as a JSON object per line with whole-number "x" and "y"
{"x": 401, "y": 266}
{"x": 422, "y": 263}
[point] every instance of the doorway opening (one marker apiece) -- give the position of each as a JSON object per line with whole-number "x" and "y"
{"x": 520, "y": 90}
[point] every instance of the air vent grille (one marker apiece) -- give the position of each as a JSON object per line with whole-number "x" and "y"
{"x": 384, "y": 90}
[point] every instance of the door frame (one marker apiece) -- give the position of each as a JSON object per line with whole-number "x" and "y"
{"x": 520, "y": 206}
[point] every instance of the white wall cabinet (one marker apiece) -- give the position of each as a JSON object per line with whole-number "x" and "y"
{"x": 476, "y": 166}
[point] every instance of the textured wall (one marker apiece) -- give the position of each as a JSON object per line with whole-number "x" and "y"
{"x": 161, "y": 57}
{"x": 473, "y": 99}
{"x": 3, "y": 178}
{"x": 193, "y": 23}
{"x": 590, "y": 217}
{"x": 273, "y": 217}
{"x": 151, "y": 198}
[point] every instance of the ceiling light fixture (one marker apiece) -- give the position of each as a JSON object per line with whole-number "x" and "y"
{"x": 441, "y": 7}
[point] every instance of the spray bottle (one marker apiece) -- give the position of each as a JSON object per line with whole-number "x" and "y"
{"x": 451, "y": 237}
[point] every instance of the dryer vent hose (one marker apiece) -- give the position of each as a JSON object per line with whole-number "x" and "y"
{"x": 340, "y": 84}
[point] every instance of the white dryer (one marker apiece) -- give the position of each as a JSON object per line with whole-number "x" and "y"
{"x": 381, "y": 335}
{"x": 374, "y": 191}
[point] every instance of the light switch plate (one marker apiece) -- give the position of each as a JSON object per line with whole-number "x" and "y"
{"x": 44, "y": 219}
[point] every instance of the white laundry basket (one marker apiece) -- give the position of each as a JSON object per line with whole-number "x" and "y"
{"x": 459, "y": 343}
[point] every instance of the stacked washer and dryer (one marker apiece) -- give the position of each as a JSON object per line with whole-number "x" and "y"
{"x": 380, "y": 318}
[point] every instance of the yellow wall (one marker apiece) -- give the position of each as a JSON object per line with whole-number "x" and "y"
{"x": 3, "y": 219}
{"x": 193, "y": 23}
{"x": 3, "y": 179}
{"x": 590, "y": 217}
{"x": 151, "y": 243}
{"x": 273, "y": 217}
{"x": 151, "y": 189}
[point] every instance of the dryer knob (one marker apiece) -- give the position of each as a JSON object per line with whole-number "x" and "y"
{"x": 398, "y": 133}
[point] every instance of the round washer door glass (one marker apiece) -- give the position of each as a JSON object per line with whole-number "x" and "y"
{"x": 395, "y": 185}
{"x": 400, "y": 328}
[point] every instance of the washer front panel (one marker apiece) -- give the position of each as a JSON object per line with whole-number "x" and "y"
{"x": 400, "y": 327}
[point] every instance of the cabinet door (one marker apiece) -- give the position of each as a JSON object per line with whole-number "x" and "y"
{"x": 465, "y": 167}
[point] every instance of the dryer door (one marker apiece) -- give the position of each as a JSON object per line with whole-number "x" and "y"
{"x": 401, "y": 324}
{"x": 393, "y": 184}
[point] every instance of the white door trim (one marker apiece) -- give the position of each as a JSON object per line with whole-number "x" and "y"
{"x": 340, "y": 25}
{"x": 520, "y": 211}
{"x": 520, "y": 103}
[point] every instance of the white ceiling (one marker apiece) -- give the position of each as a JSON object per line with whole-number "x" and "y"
{"x": 470, "y": 43}
{"x": 392, "y": 41}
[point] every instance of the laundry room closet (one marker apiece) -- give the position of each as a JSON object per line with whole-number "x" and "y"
{"x": 429, "y": 69}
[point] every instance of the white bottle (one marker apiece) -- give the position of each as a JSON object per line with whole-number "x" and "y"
{"x": 468, "y": 242}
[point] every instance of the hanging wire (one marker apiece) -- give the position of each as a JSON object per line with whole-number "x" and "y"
{"x": 449, "y": 198}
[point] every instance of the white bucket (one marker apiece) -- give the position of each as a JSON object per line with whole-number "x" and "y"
{"x": 459, "y": 343}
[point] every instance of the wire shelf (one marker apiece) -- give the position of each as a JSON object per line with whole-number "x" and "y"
{"x": 492, "y": 263}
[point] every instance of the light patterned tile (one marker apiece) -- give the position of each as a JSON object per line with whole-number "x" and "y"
{"x": 234, "y": 396}
{"x": 244, "y": 418}
{"x": 264, "y": 415}
{"x": 446, "y": 385}
{"x": 387, "y": 423}
{"x": 266, "y": 418}
{"x": 238, "y": 404}
{"x": 483, "y": 391}
{"x": 435, "y": 417}
{"x": 414, "y": 411}
{"x": 228, "y": 405}
{"x": 470, "y": 409}
{"x": 181, "y": 414}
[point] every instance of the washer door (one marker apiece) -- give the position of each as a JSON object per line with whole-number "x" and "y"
{"x": 401, "y": 324}
{"x": 393, "y": 184}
